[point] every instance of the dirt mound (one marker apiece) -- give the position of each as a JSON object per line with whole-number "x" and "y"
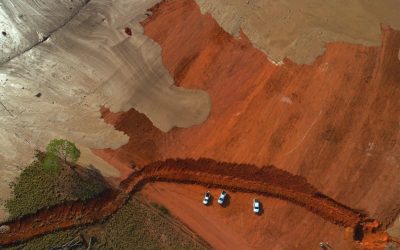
{"x": 246, "y": 172}
{"x": 267, "y": 180}
{"x": 238, "y": 177}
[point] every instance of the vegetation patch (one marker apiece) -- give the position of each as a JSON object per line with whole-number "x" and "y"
{"x": 135, "y": 226}
{"x": 49, "y": 241}
{"x": 39, "y": 186}
{"x": 161, "y": 208}
{"x": 60, "y": 150}
{"x": 53, "y": 178}
{"x": 138, "y": 225}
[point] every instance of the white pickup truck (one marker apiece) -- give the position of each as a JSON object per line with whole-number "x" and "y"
{"x": 256, "y": 206}
{"x": 207, "y": 198}
{"x": 222, "y": 197}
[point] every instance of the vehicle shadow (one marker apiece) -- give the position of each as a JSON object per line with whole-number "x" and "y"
{"x": 227, "y": 201}
{"x": 210, "y": 201}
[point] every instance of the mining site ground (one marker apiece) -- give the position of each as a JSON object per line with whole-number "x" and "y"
{"x": 331, "y": 124}
{"x": 334, "y": 122}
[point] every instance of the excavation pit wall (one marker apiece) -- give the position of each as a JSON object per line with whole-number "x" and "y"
{"x": 267, "y": 180}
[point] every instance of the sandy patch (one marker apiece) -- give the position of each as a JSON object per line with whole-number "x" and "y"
{"x": 88, "y": 159}
{"x": 299, "y": 29}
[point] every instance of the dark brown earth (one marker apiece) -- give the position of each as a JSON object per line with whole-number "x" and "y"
{"x": 335, "y": 122}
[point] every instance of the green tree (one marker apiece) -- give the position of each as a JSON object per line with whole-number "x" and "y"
{"x": 60, "y": 149}
{"x": 51, "y": 163}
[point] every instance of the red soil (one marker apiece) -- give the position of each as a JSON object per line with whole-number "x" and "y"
{"x": 267, "y": 180}
{"x": 185, "y": 201}
{"x": 141, "y": 149}
{"x": 334, "y": 122}
{"x": 245, "y": 230}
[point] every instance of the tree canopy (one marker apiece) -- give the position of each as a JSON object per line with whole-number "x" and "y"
{"x": 60, "y": 149}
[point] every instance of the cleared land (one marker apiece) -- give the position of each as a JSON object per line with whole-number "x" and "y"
{"x": 335, "y": 122}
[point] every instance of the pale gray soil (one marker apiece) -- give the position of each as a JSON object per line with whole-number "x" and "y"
{"x": 26, "y": 23}
{"x": 56, "y": 88}
{"x": 394, "y": 230}
{"x": 299, "y": 29}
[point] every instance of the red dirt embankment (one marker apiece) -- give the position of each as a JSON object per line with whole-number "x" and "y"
{"x": 267, "y": 180}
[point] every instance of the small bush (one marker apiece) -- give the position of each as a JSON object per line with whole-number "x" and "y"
{"x": 161, "y": 208}
{"x": 51, "y": 164}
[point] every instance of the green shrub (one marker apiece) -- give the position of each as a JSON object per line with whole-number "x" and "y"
{"x": 51, "y": 164}
{"x": 161, "y": 208}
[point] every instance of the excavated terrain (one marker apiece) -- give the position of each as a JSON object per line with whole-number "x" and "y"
{"x": 331, "y": 126}
{"x": 267, "y": 180}
{"x": 335, "y": 121}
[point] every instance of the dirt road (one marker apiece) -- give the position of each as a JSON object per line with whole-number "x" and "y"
{"x": 267, "y": 180}
{"x": 235, "y": 226}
